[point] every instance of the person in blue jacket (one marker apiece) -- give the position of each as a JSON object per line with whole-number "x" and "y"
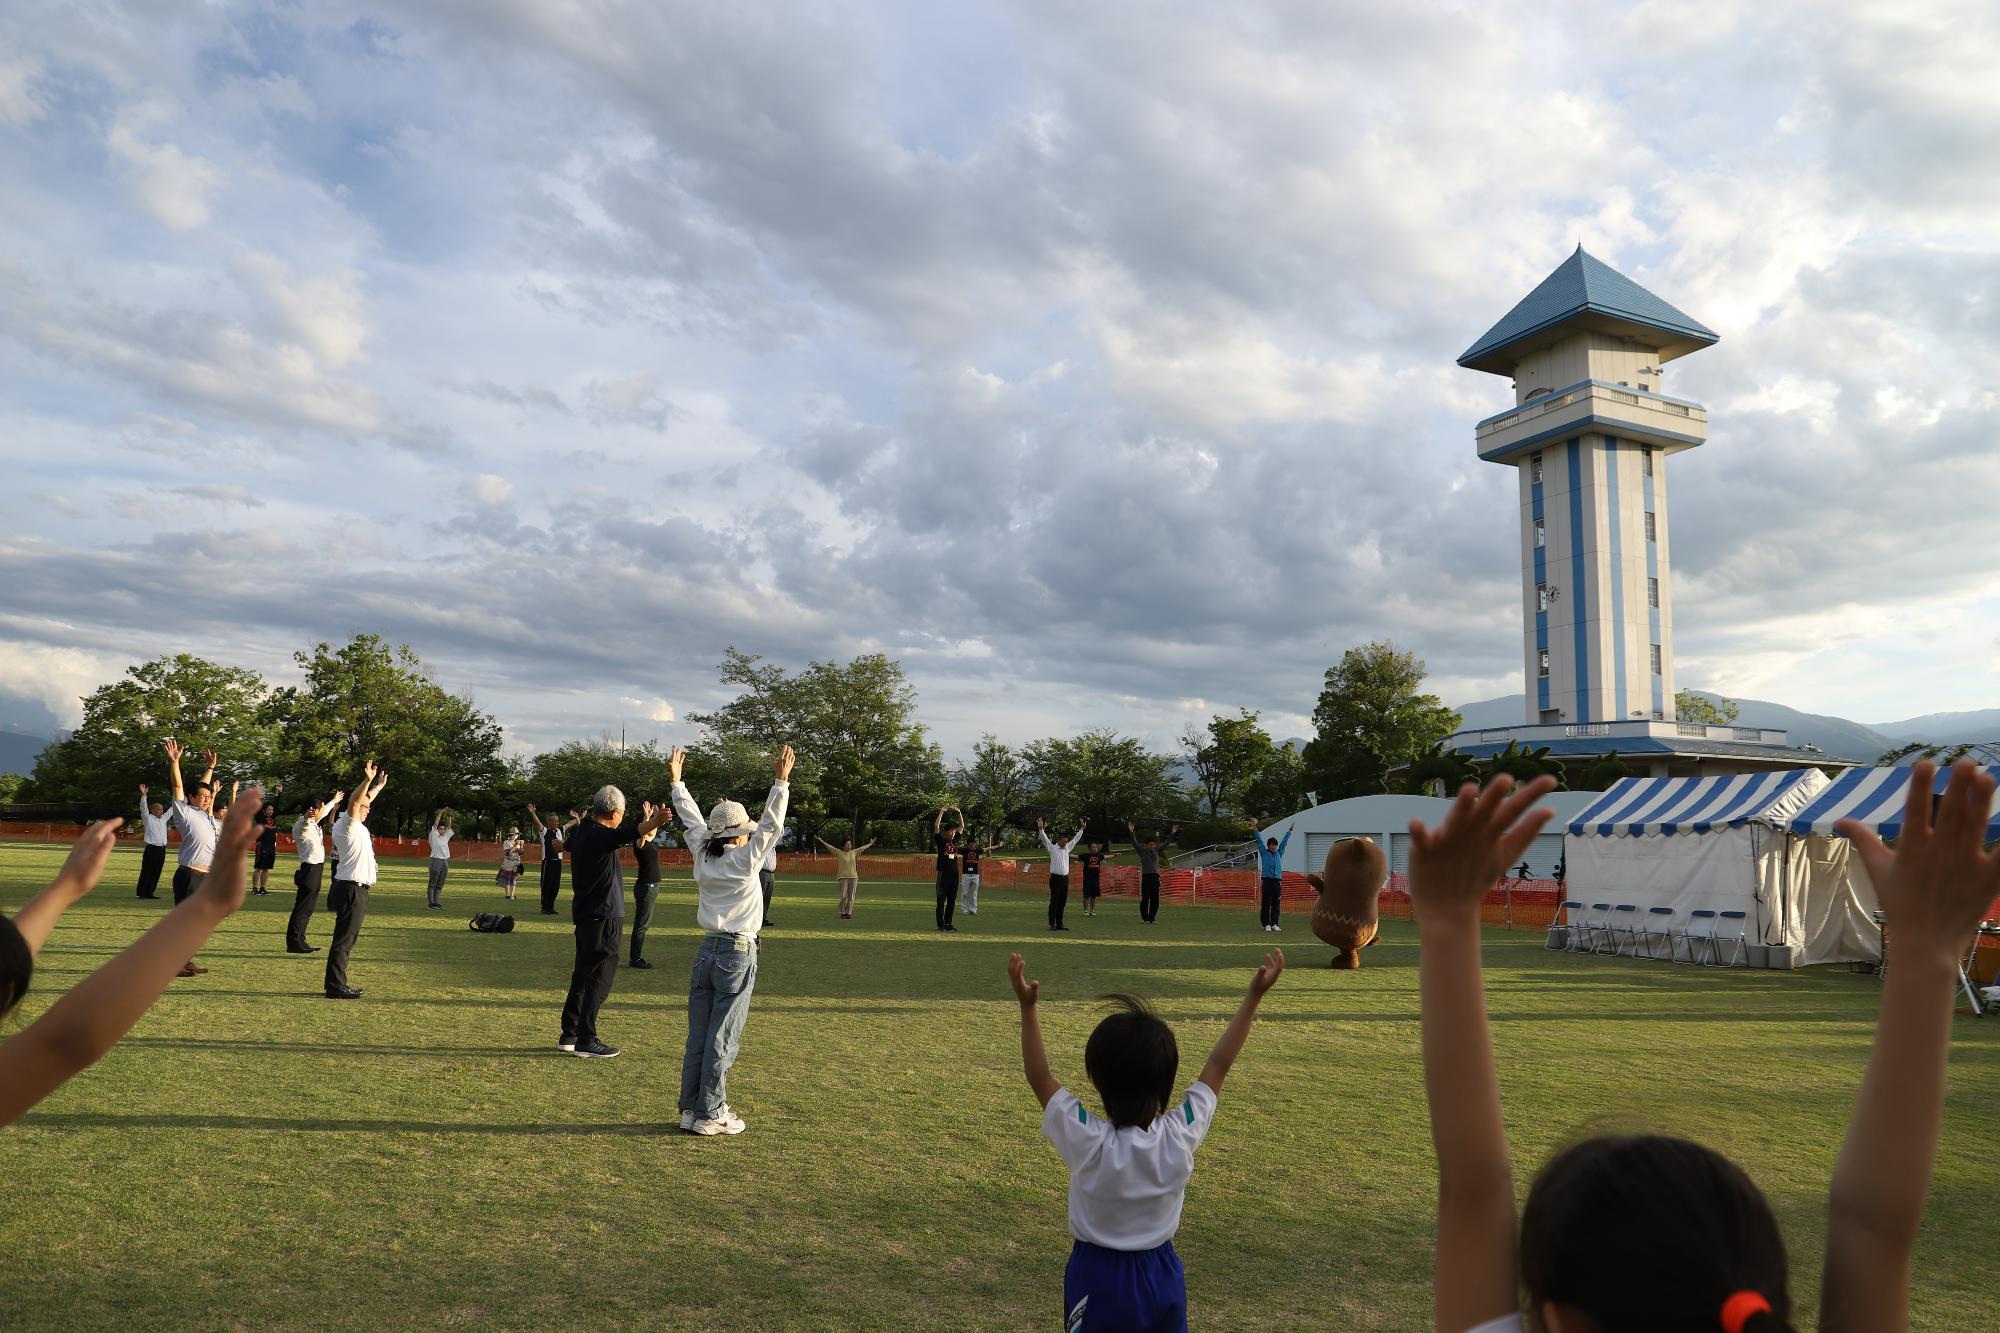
{"x": 1271, "y": 878}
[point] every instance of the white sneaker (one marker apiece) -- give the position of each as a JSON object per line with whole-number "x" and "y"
{"x": 567, "y": 1045}
{"x": 1279, "y": 929}
{"x": 726, "y": 1123}
{"x": 687, "y": 1122}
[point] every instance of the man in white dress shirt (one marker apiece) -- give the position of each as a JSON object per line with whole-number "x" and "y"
{"x": 353, "y": 875}
{"x": 311, "y": 840}
{"x": 441, "y": 832}
{"x": 194, "y": 816}
{"x": 152, "y": 818}
{"x": 1059, "y": 870}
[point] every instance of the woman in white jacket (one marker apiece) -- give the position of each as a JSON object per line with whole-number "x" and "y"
{"x": 728, "y": 852}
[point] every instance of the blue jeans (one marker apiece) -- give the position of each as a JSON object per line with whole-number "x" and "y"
{"x": 725, "y": 972}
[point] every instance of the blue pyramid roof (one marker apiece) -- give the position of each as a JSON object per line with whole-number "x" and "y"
{"x": 1586, "y": 290}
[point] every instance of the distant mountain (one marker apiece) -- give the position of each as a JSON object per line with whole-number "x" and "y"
{"x": 1945, "y": 728}
{"x": 1836, "y": 735}
{"x": 18, "y": 751}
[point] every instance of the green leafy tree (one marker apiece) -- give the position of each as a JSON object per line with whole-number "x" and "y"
{"x": 201, "y": 703}
{"x": 10, "y": 787}
{"x": 1439, "y": 772}
{"x": 1525, "y": 765}
{"x": 861, "y": 751}
{"x": 1603, "y": 773}
{"x": 1227, "y": 757}
{"x": 368, "y": 700}
{"x": 564, "y": 778}
{"x": 1692, "y": 707}
{"x": 993, "y": 787}
{"x": 1276, "y": 788}
{"x": 1101, "y": 776}
{"x": 1372, "y": 716}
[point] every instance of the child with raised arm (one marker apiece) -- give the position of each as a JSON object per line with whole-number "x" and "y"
{"x": 1128, "y": 1171}
{"x": 1706, "y": 1243}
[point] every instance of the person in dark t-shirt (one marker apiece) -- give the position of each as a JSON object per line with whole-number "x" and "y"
{"x": 597, "y": 909}
{"x": 645, "y": 891}
{"x": 968, "y": 873}
{"x": 1092, "y": 862}
{"x": 946, "y": 846}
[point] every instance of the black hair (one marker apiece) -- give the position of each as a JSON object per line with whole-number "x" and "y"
{"x": 717, "y": 846}
{"x": 1690, "y": 1230}
{"x": 1131, "y": 1059}
{"x": 17, "y": 965}
{"x": 201, "y": 786}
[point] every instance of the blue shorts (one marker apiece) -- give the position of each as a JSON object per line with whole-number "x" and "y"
{"x": 1124, "y": 1291}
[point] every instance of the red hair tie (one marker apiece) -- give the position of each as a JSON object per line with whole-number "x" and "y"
{"x": 1737, "y": 1310}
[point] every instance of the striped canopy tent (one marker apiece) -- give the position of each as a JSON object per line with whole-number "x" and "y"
{"x": 1876, "y": 797}
{"x": 1667, "y": 806}
{"x": 1671, "y": 847}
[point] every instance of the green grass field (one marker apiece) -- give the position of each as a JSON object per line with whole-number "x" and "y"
{"x": 254, "y": 1157}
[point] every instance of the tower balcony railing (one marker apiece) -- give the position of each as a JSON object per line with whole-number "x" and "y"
{"x": 1530, "y": 733}
{"x": 1576, "y": 393}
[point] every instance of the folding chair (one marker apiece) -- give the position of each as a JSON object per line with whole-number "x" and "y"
{"x": 1574, "y": 927}
{"x": 1659, "y": 924}
{"x": 1601, "y": 929}
{"x": 1626, "y": 924}
{"x": 1700, "y": 935}
{"x": 1740, "y": 922}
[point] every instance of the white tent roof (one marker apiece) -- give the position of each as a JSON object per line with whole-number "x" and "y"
{"x": 1874, "y": 796}
{"x": 1668, "y": 806}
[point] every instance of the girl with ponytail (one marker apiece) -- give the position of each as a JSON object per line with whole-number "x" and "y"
{"x": 1649, "y": 1234}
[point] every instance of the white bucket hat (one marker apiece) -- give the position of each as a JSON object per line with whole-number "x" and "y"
{"x": 728, "y": 819}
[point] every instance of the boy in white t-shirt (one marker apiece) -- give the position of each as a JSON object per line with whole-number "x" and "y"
{"x": 1128, "y": 1171}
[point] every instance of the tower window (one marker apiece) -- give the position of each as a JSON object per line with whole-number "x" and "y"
{"x": 1541, "y": 596}
{"x": 1656, "y": 661}
{"x": 1649, "y": 458}
{"x": 1542, "y": 662}
{"x": 1535, "y": 470}
{"x": 1541, "y": 533}
{"x": 1652, "y": 592}
{"x": 1652, "y": 527}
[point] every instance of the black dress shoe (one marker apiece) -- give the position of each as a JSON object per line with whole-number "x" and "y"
{"x": 302, "y": 948}
{"x": 344, "y": 993}
{"x": 641, "y": 964}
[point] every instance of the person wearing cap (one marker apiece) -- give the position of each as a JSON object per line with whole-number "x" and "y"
{"x": 509, "y": 876}
{"x": 597, "y": 910}
{"x": 728, "y": 851}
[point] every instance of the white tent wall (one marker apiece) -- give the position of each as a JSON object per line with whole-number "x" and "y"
{"x": 1717, "y": 871}
{"x": 1825, "y": 902}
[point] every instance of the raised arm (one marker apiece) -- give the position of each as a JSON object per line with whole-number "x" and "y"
{"x": 332, "y": 806}
{"x": 937, "y": 825}
{"x": 78, "y": 875}
{"x": 1034, "y": 1056}
{"x": 864, "y": 846}
{"x": 824, "y": 843}
{"x": 85, "y": 1023}
{"x": 144, "y": 813}
{"x": 652, "y": 818}
{"x": 1226, "y": 1050}
{"x": 1934, "y": 889}
{"x": 1451, "y": 867}
{"x": 174, "y": 769}
{"x": 772, "y": 825}
{"x": 361, "y": 788}
{"x": 208, "y": 768}
{"x": 1285, "y": 841}
{"x": 1076, "y": 837}
{"x": 959, "y": 832}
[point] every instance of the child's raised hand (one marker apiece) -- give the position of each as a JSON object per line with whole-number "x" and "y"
{"x": 87, "y": 855}
{"x": 224, "y": 885}
{"x": 1027, "y": 992}
{"x": 1267, "y": 976}
{"x": 1937, "y": 885}
{"x": 1453, "y": 865}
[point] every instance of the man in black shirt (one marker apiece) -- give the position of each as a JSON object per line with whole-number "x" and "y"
{"x": 946, "y": 845}
{"x": 1092, "y": 862}
{"x": 1149, "y": 869}
{"x": 597, "y": 908}
{"x": 645, "y": 891}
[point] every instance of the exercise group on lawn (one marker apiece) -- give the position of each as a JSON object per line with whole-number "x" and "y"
{"x": 1689, "y": 1211}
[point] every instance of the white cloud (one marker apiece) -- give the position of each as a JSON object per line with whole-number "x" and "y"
{"x": 55, "y": 677}
{"x": 20, "y": 104}
{"x": 652, "y": 710}
{"x": 322, "y": 315}
{"x": 172, "y": 185}
{"x": 489, "y": 489}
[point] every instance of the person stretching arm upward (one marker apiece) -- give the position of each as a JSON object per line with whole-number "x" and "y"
{"x": 81, "y": 1026}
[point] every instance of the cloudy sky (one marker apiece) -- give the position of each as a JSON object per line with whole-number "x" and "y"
{"x": 1094, "y": 360}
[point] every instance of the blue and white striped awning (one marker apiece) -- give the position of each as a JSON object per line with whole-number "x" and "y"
{"x": 1697, "y": 805}
{"x": 1875, "y": 796}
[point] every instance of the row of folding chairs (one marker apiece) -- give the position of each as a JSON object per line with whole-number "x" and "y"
{"x": 1707, "y": 938}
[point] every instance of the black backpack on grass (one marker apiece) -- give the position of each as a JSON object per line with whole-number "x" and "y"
{"x": 492, "y": 923}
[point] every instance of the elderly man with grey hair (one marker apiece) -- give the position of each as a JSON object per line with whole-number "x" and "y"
{"x": 597, "y": 907}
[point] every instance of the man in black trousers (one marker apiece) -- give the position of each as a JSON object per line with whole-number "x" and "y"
{"x": 552, "y": 850}
{"x": 645, "y": 892}
{"x": 153, "y": 819}
{"x": 597, "y": 909}
{"x": 1149, "y": 868}
{"x": 311, "y": 841}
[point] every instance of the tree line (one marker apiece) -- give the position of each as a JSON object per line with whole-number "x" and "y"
{"x": 867, "y": 763}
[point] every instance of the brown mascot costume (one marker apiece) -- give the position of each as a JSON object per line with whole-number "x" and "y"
{"x": 1349, "y": 913}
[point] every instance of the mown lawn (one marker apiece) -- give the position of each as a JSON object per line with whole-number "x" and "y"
{"x": 255, "y": 1157}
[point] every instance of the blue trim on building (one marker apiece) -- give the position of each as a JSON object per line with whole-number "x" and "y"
{"x": 1579, "y": 597}
{"x": 1653, "y": 572}
{"x": 1602, "y": 384}
{"x": 1581, "y": 284}
{"x": 1600, "y": 425}
{"x": 1613, "y": 520}
{"x": 1541, "y": 565}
